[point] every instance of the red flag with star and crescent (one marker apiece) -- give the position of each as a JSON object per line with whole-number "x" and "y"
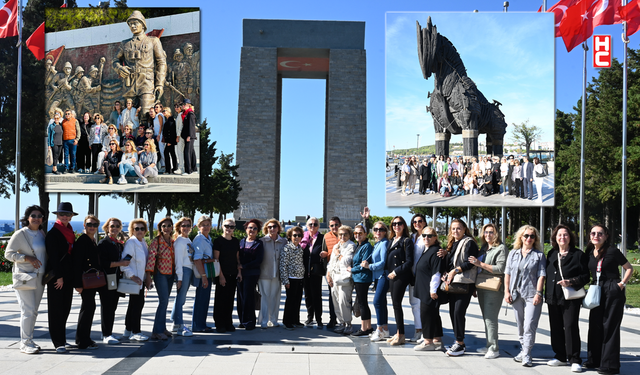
{"x": 303, "y": 64}
{"x": 581, "y": 18}
{"x": 559, "y": 10}
{"x": 9, "y": 19}
{"x": 631, "y": 14}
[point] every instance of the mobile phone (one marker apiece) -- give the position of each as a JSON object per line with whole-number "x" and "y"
{"x": 128, "y": 257}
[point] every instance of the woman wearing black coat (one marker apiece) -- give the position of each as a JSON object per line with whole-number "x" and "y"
{"x": 59, "y": 243}
{"x": 84, "y": 148}
{"x": 398, "y": 264}
{"x": 169, "y": 138}
{"x": 111, "y": 161}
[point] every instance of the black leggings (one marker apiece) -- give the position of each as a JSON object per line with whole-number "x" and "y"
{"x": 170, "y": 159}
{"x": 134, "y": 312}
{"x": 431, "y": 321}
{"x": 398, "y": 287}
{"x": 95, "y": 150}
{"x": 458, "y": 304}
{"x": 362, "y": 292}
{"x": 56, "y": 152}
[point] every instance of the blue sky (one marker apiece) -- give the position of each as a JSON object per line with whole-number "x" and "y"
{"x": 303, "y": 101}
{"x": 510, "y": 57}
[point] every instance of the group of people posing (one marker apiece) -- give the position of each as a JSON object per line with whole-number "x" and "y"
{"x": 402, "y": 256}
{"x": 161, "y": 143}
{"x": 453, "y": 176}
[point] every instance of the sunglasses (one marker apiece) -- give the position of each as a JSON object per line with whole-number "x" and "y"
{"x": 146, "y": 144}
{"x": 397, "y": 224}
{"x": 252, "y": 228}
{"x": 113, "y": 144}
{"x": 230, "y": 226}
{"x": 312, "y": 224}
{"x": 91, "y": 225}
{"x": 96, "y": 117}
{"x": 272, "y": 227}
{"x": 114, "y": 226}
{"x": 424, "y": 235}
{"x": 296, "y": 235}
{"x": 334, "y": 225}
{"x": 527, "y": 236}
{"x": 138, "y": 229}
{"x": 36, "y": 216}
{"x": 185, "y": 226}
{"x": 379, "y": 230}
{"x": 418, "y": 221}
{"x": 166, "y": 226}
{"x": 597, "y": 234}
{"x": 65, "y": 214}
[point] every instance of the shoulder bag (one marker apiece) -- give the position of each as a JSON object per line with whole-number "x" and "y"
{"x": 488, "y": 281}
{"x": 25, "y": 280}
{"x": 592, "y": 300}
{"x": 570, "y": 292}
{"x": 93, "y": 279}
{"x": 128, "y": 286}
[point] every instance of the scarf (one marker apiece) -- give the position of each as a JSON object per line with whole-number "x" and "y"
{"x": 67, "y": 232}
{"x": 186, "y": 112}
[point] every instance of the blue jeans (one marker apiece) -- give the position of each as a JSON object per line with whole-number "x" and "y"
{"x": 201, "y": 306}
{"x": 380, "y": 300}
{"x": 163, "y": 285}
{"x": 69, "y": 150}
{"x": 125, "y": 168}
{"x": 457, "y": 190}
{"x": 181, "y": 297}
{"x": 443, "y": 189}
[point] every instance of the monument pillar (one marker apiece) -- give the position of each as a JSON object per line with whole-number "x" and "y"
{"x": 470, "y": 143}
{"x": 442, "y": 144}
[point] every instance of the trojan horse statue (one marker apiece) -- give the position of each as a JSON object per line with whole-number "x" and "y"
{"x": 457, "y": 106}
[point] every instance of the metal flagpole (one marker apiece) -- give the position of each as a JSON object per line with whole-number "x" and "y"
{"x": 18, "y": 127}
{"x": 582, "y": 132}
{"x": 623, "y": 241}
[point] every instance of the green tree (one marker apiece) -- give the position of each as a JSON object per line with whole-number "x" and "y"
{"x": 525, "y": 134}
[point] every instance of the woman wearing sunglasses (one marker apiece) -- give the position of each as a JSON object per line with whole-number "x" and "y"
{"x": 603, "y": 345}
{"x": 59, "y": 244}
{"x": 362, "y": 279}
{"x": 202, "y": 252}
{"x": 226, "y": 250}
{"x": 136, "y": 247}
{"x": 269, "y": 281}
{"x": 292, "y": 273}
{"x": 379, "y": 274}
{"x": 111, "y": 137}
{"x": 398, "y": 266}
{"x": 418, "y": 222}
{"x": 251, "y": 255}
{"x": 429, "y": 270}
{"x": 26, "y": 249}
{"x": 146, "y": 166}
{"x": 184, "y": 272}
{"x": 86, "y": 259}
{"x": 128, "y": 160}
{"x": 110, "y": 163}
{"x": 160, "y": 264}
{"x": 110, "y": 250}
{"x": 524, "y": 282}
{"x": 492, "y": 259}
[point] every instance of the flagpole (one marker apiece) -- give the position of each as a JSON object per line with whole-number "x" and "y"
{"x": 18, "y": 127}
{"x": 623, "y": 241}
{"x": 582, "y": 134}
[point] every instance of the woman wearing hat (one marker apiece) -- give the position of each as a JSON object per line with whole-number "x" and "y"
{"x": 59, "y": 244}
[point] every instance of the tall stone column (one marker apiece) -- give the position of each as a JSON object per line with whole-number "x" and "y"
{"x": 345, "y": 181}
{"x": 470, "y": 143}
{"x": 442, "y": 144}
{"x": 258, "y": 141}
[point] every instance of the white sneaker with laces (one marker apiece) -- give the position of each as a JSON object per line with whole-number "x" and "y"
{"x": 556, "y": 362}
{"x": 519, "y": 357}
{"x": 491, "y": 354}
{"x": 138, "y": 337}
{"x": 377, "y": 335}
{"x": 185, "y": 331}
{"x": 110, "y": 340}
{"x": 576, "y": 367}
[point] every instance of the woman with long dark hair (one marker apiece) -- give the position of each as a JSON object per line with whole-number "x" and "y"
{"x": 418, "y": 222}
{"x": 460, "y": 245}
{"x": 161, "y": 265}
{"x": 398, "y": 265}
{"x": 603, "y": 345}
{"x": 377, "y": 267}
{"x": 567, "y": 267}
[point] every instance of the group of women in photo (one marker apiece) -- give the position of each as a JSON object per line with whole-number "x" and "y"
{"x": 124, "y": 144}
{"x": 455, "y": 176}
{"x": 403, "y": 256}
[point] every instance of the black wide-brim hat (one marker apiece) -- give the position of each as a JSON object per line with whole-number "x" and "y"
{"x": 65, "y": 207}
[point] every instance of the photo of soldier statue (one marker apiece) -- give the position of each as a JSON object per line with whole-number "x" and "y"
{"x": 142, "y": 64}
{"x": 61, "y": 90}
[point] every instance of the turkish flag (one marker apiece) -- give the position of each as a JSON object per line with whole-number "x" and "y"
{"x": 559, "y": 10}
{"x": 54, "y": 55}
{"x": 35, "y": 43}
{"x": 577, "y": 25}
{"x": 606, "y": 12}
{"x": 9, "y": 19}
{"x": 303, "y": 64}
{"x": 631, "y": 14}
{"x": 155, "y": 32}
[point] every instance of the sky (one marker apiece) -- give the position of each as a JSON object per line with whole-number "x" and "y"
{"x": 303, "y": 100}
{"x": 496, "y": 48}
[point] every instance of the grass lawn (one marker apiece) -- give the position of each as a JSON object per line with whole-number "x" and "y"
{"x": 5, "y": 278}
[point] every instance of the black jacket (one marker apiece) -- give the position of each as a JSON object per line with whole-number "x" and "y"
{"x": 189, "y": 126}
{"x": 313, "y": 263}
{"x": 109, "y": 251}
{"x": 85, "y": 257}
{"x": 169, "y": 134}
{"x": 400, "y": 259}
{"x": 574, "y": 268}
{"x": 428, "y": 265}
{"x": 59, "y": 260}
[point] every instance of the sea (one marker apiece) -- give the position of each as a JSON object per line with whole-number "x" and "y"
{"x": 7, "y": 226}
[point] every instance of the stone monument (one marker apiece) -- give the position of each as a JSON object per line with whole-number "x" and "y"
{"x": 329, "y": 50}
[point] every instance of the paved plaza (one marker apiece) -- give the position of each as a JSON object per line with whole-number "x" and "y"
{"x": 278, "y": 351}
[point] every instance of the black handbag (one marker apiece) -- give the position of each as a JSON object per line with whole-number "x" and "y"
{"x": 455, "y": 288}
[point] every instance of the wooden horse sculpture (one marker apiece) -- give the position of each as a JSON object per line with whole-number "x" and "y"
{"x": 456, "y": 104}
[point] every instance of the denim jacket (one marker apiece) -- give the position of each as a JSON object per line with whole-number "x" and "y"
{"x": 534, "y": 267}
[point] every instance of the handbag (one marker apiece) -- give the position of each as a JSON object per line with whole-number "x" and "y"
{"x": 128, "y": 286}
{"x": 93, "y": 279}
{"x": 48, "y": 160}
{"x": 592, "y": 299}
{"x": 488, "y": 281}
{"x": 25, "y": 280}
{"x": 403, "y": 176}
{"x": 543, "y": 174}
{"x": 48, "y": 276}
{"x": 570, "y": 292}
{"x": 257, "y": 297}
{"x": 112, "y": 281}
{"x": 455, "y": 288}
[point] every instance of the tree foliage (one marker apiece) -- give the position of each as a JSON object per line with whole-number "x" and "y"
{"x": 525, "y": 134}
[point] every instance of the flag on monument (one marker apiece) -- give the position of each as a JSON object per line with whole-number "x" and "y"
{"x": 582, "y": 17}
{"x": 631, "y": 14}
{"x": 9, "y": 19}
{"x": 35, "y": 43}
{"x": 54, "y": 55}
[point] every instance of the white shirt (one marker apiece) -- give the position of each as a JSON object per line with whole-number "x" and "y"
{"x": 181, "y": 249}
{"x": 139, "y": 252}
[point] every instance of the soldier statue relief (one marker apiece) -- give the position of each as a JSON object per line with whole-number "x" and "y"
{"x": 142, "y": 64}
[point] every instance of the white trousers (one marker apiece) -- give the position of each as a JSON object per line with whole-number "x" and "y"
{"x": 415, "y": 308}
{"x": 341, "y": 295}
{"x": 539, "y": 182}
{"x": 527, "y": 317}
{"x": 29, "y": 301}
{"x": 180, "y": 154}
{"x": 271, "y": 291}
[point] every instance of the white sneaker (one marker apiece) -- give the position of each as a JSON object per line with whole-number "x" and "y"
{"x": 417, "y": 336}
{"x": 110, "y": 340}
{"x": 556, "y": 362}
{"x": 138, "y": 337}
{"x": 28, "y": 349}
{"x": 175, "y": 328}
{"x": 122, "y": 181}
{"x": 526, "y": 361}
{"x": 491, "y": 354}
{"x": 126, "y": 334}
{"x": 576, "y": 367}
{"x": 519, "y": 357}
{"x": 377, "y": 335}
{"x": 185, "y": 331}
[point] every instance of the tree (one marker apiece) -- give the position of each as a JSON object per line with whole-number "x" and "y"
{"x": 525, "y": 134}
{"x": 227, "y": 186}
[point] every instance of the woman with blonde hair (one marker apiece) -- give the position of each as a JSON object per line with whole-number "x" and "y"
{"x": 160, "y": 264}
{"x": 269, "y": 281}
{"x": 183, "y": 251}
{"x": 146, "y": 166}
{"x": 377, "y": 266}
{"x": 54, "y": 137}
{"x": 128, "y": 160}
{"x": 111, "y": 137}
{"x": 136, "y": 248}
{"x": 340, "y": 280}
{"x": 492, "y": 260}
{"x": 524, "y": 283}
